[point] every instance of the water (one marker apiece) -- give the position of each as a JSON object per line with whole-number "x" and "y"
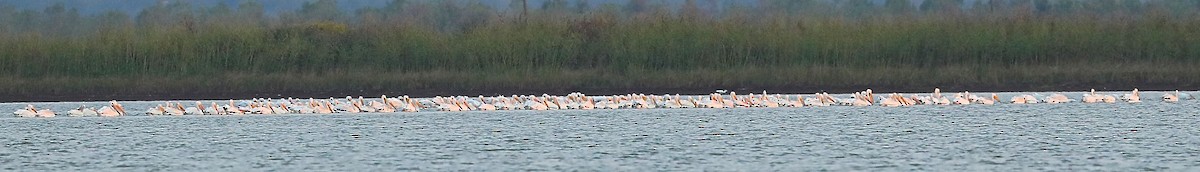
{"x": 1062, "y": 137}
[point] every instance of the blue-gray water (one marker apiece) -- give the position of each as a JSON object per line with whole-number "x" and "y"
{"x": 1066, "y": 137}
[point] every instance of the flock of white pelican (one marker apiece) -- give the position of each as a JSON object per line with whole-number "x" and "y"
{"x": 579, "y": 101}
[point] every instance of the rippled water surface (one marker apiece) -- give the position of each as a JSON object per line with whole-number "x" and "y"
{"x": 1069, "y": 137}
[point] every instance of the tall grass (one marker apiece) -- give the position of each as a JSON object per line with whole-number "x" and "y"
{"x": 611, "y": 51}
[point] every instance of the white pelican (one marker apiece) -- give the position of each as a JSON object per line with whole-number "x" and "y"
{"x": 443, "y": 104}
{"x": 937, "y": 92}
{"x": 156, "y": 110}
{"x": 412, "y": 105}
{"x": 1092, "y": 97}
{"x": 270, "y": 108}
{"x": 485, "y": 106}
{"x": 204, "y": 110}
{"x": 350, "y": 107}
{"x": 716, "y": 101}
{"x": 607, "y": 102}
{"x": 938, "y": 99}
{"x": 218, "y": 109}
{"x": 921, "y": 100}
{"x": 672, "y": 103}
{"x": 82, "y": 112}
{"x": 306, "y": 108}
{"x": 828, "y": 100}
{"x": 864, "y": 98}
{"x": 363, "y": 105}
{"x": 233, "y": 109}
{"x": 640, "y": 102}
{"x": 798, "y": 103}
{"x": 908, "y": 101}
{"x": 1134, "y": 97}
{"x": 29, "y": 112}
{"x": 821, "y": 99}
{"x": 738, "y": 101}
{"x": 770, "y": 101}
{"x": 685, "y": 103}
{"x": 1058, "y": 98}
{"x": 963, "y": 98}
{"x": 195, "y": 110}
{"x": 561, "y": 105}
{"x": 176, "y": 110}
{"x": 1171, "y": 98}
{"x": 388, "y": 105}
{"x": 505, "y": 103}
{"x": 1019, "y": 99}
{"x": 891, "y": 101}
{"x": 323, "y": 107}
{"x": 535, "y": 104}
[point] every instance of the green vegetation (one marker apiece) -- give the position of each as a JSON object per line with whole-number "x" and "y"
{"x": 464, "y": 46}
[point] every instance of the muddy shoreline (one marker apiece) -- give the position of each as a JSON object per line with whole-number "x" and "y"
{"x": 152, "y": 96}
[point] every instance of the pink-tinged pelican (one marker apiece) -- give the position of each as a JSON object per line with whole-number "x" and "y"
{"x": 535, "y": 104}
{"x": 891, "y": 101}
{"x": 484, "y": 105}
{"x": 986, "y": 101}
{"x": 1110, "y": 99}
{"x": 173, "y": 109}
{"x": 386, "y": 107}
{"x": 412, "y": 105}
{"x": 113, "y": 109}
{"x": 863, "y": 98}
{"x": 588, "y": 103}
{"x": 267, "y": 106}
{"x": 799, "y": 101}
{"x": 1058, "y": 98}
{"x": 1024, "y": 99}
{"x": 45, "y": 113}
{"x": 108, "y": 111}
{"x": 394, "y": 103}
{"x": 323, "y": 107}
{"x": 716, "y": 101}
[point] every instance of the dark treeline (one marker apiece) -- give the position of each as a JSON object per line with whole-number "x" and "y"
{"x": 572, "y": 45}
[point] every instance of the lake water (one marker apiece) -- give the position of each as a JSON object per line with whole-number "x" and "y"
{"x": 1064, "y": 137}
